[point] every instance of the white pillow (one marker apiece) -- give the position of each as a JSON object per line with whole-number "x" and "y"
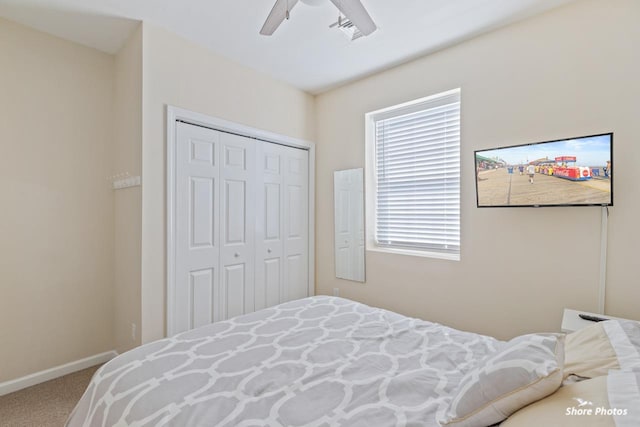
{"x": 592, "y": 351}
{"x": 524, "y": 370}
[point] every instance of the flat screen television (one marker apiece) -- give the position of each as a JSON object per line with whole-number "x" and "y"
{"x": 566, "y": 172}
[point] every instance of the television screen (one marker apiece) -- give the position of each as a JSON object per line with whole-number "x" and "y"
{"x": 567, "y": 172}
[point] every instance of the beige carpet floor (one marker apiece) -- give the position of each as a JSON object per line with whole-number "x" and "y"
{"x": 44, "y": 405}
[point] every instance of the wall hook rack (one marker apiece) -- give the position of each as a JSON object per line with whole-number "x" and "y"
{"x": 124, "y": 180}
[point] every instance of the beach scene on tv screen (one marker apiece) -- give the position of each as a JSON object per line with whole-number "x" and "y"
{"x": 568, "y": 172}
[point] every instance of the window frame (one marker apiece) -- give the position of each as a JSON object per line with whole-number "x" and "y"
{"x": 371, "y": 176}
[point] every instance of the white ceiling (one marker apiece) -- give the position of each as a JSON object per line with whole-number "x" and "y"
{"x": 303, "y": 52}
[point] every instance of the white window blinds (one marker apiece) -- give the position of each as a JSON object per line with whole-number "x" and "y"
{"x": 417, "y": 174}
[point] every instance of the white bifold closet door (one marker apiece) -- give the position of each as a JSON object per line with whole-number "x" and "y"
{"x": 241, "y": 226}
{"x": 282, "y": 237}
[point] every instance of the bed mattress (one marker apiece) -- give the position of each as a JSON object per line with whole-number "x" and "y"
{"x": 319, "y": 361}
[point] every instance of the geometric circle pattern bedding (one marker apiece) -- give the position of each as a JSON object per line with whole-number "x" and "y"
{"x": 319, "y": 361}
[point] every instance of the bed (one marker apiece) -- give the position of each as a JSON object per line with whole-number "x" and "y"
{"x": 325, "y": 361}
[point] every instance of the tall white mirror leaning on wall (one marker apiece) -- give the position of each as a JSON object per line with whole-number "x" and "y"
{"x": 348, "y": 190}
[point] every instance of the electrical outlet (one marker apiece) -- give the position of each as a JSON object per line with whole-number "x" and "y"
{"x": 336, "y": 292}
{"x": 133, "y": 331}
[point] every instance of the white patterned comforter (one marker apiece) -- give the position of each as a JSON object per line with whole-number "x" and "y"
{"x": 319, "y": 361}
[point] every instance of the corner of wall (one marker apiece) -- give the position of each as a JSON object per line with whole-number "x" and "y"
{"x": 128, "y": 202}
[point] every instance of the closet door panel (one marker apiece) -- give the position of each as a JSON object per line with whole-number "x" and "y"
{"x": 269, "y": 226}
{"x": 202, "y": 285}
{"x": 272, "y": 211}
{"x": 201, "y": 209}
{"x": 195, "y": 300}
{"x": 237, "y": 258}
{"x": 296, "y": 220}
{"x": 272, "y": 281}
{"x": 235, "y": 212}
{"x": 235, "y": 289}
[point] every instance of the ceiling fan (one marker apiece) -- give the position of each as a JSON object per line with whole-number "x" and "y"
{"x": 353, "y": 10}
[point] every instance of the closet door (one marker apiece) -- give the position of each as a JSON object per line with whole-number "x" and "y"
{"x": 237, "y": 220}
{"x": 269, "y": 226}
{"x": 296, "y": 220}
{"x": 196, "y": 300}
{"x": 239, "y": 225}
{"x": 282, "y": 226}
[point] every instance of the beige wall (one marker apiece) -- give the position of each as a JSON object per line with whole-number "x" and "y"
{"x": 182, "y": 74}
{"x": 570, "y": 72}
{"x": 56, "y": 220}
{"x": 128, "y": 202}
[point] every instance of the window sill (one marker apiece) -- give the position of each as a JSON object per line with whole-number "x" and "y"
{"x": 424, "y": 254}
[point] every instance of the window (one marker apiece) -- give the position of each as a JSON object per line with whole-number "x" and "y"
{"x": 413, "y": 178}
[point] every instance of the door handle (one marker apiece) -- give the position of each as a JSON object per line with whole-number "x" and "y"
{"x": 236, "y": 255}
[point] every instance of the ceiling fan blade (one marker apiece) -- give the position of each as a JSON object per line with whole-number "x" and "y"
{"x": 357, "y": 14}
{"x": 276, "y": 16}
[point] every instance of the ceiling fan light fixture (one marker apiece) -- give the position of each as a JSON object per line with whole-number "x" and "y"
{"x": 352, "y": 9}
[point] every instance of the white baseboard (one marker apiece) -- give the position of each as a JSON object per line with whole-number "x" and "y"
{"x": 55, "y": 372}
